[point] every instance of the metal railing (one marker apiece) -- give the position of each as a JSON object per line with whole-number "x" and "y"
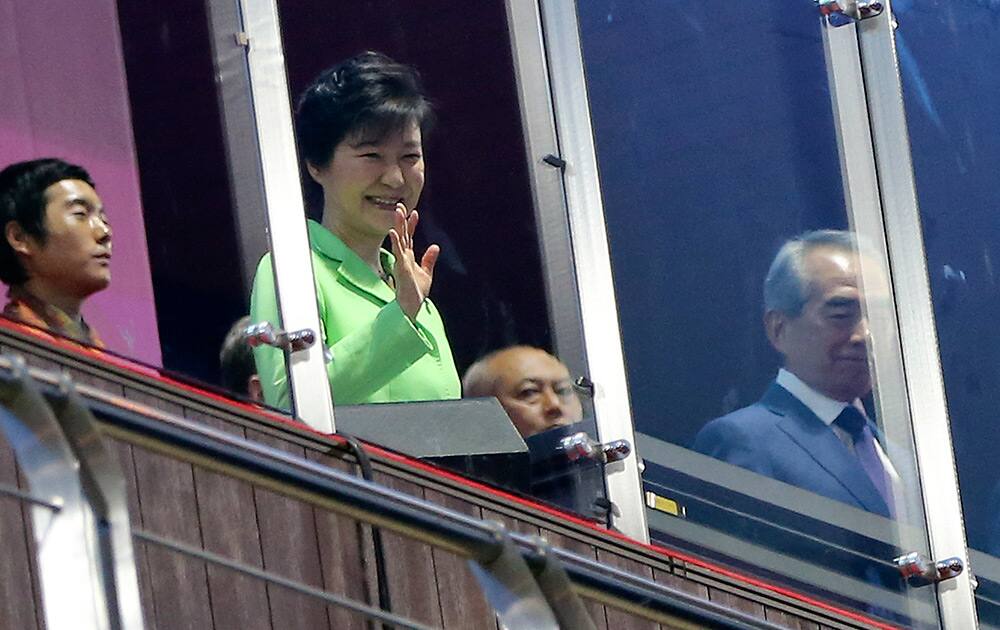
{"x": 528, "y": 583}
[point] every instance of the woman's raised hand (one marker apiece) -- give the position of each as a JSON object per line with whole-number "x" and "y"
{"x": 413, "y": 281}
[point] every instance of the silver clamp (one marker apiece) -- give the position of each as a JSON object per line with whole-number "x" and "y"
{"x": 919, "y": 571}
{"x": 844, "y": 12}
{"x": 265, "y": 334}
{"x": 581, "y": 446}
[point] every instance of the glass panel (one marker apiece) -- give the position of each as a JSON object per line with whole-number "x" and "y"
{"x": 717, "y": 146}
{"x": 88, "y": 85}
{"x": 952, "y": 96}
{"x": 487, "y": 291}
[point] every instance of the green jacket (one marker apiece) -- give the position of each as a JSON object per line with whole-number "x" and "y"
{"x": 379, "y": 354}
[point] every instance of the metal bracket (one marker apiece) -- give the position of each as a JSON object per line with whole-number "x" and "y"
{"x": 555, "y": 161}
{"x": 919, "y": 571}
{"x": 844, "y": 12}
{"x": 580, "y": 446}
{"x": 266, "y": 334}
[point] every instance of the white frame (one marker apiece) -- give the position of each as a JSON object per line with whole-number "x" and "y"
{"x": 559, "y": 49}
{"x": 917, "y": 330}
{"x": 293, "y": 274}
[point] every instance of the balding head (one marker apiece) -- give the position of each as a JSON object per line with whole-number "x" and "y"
{"x": 533, "y": 387}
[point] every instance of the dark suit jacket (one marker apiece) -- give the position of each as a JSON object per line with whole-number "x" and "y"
{"x": 781, "y": 438}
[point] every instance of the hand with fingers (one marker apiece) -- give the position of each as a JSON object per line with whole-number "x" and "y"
{"x": 413, "y": 280}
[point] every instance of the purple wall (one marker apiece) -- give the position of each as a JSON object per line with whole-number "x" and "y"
{"x": 63, "y": 94}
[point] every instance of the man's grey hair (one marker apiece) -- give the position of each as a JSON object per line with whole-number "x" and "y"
{"x": 785, "y": 288}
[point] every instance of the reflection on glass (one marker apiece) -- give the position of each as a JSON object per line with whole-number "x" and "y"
{"x": 744, "y": 316}
{"x": 951, "y": 92}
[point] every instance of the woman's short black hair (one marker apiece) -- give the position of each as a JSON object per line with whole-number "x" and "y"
{"x": 22, "y": 199}
{"x": 368, "y": 93}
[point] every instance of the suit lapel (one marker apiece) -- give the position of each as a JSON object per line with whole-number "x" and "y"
{"x": 822, "y": 445}
{"x": 351, "y": 269}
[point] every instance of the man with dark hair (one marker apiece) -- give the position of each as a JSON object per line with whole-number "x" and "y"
{"x": 533, "y": 387}
{"x": 239, "y": 373}
{"x": 810, "y": 428}
{"x": 56, "y": 250}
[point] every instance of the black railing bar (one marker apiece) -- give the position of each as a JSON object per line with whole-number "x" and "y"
{"x": 782, "y": 528}
{"x": 614, "y": 586}
{"x": 299, "y": 587}
{"x": 27, "y": 497}
{"x": 297, "y": 477}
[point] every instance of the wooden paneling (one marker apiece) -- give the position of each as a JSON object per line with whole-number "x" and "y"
{"x": 290, "y": 549}
{"x": 228, "y": 517}
{"x": 347, "y": 558}
{"x": 618, "y": 618}
{"x": 168, "y": 507}
{"x": 463, "y": 604}
{"x": 597, "y": 611}
{"x": 18, "y": 608}
{"x": 736, "y": 602}
{"x": 410, "y": 568}
{"x": 786, "y": 620}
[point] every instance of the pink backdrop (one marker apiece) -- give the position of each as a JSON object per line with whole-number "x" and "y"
{"x": 63, "y": 94}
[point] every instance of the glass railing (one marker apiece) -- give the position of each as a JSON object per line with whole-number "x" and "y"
{"x": 950, "y": 92}
{"x": 755, "y": 304}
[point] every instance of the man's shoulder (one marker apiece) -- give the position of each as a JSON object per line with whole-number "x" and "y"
{"x": 758, "y": 415}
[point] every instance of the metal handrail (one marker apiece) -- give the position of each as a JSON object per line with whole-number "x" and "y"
{"x": 488, "y": 544}
{"x": 426, "y": 522}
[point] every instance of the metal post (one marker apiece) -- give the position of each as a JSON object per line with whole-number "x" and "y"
{"x": 104, "y": 485}
{"x": 70, "y": 570}
{"x": 309, "y": 385}
{"x": 592, "y": 259}
{"x": 917, "y": 330}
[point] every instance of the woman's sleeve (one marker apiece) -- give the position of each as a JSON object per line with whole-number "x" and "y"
{"x": 367, "y": 358}
{"x": 270, "y": 361}
{"x": 364, "y": 360}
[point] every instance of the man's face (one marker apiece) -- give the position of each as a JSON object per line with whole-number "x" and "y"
{"x": 75, "y": 259}
{"x": 366, "y": 178}
{"x": 826, "y": 345}
{"x": 535, "y": 389}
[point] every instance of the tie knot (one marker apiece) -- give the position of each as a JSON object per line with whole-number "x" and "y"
{"x": 852, "y": 421}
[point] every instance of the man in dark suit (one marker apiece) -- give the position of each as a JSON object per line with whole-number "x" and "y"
{"x": 810, "y": 428}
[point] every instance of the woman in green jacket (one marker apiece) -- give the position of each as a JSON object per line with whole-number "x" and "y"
{"x": 360, "y": 127}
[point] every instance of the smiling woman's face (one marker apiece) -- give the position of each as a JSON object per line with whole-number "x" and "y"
{"x": 366, "y": 178}
{"x": 75, "y": 258}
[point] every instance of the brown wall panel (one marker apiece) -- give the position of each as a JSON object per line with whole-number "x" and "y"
{"x": 597, "y": 611}
{"x": 736, "y": 602}
{"x": 463, "y": 604}
{"x": 618, "y": 618}
{"x": 126, "y": 462}
{"x": 412, "y": 581}
{"x": 786, "y": 620}
{"x": 347, "y": 557}
{"x": 228, "y": 516}
{"x": 17, "y": 584}
{"x": 290, "y": 549}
